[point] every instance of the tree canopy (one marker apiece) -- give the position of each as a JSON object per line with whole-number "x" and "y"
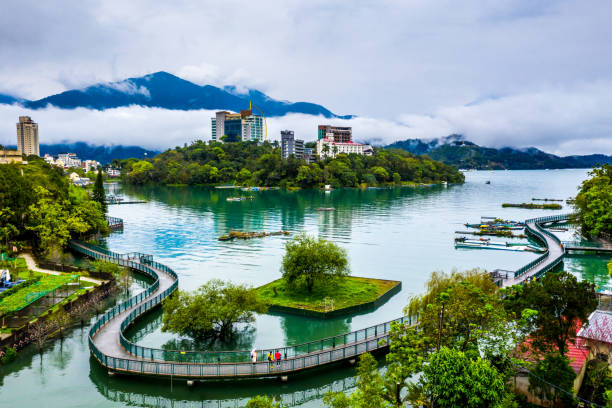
{"x": 594, "y": 203}
{"x": 99, "y": 195}
{"x": 40, "y": 205}
{"x": 562, "y": 303}
{"x": 309, "y": 260}
{"x": 211, "y": 311}
{"x": 249, "y": 163}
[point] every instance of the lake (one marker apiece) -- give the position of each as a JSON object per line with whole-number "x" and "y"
{"x": 399, "y": 233}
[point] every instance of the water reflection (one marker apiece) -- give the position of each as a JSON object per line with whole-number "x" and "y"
{"x": 167, "y": 393}
{"x": 298, "y": 328}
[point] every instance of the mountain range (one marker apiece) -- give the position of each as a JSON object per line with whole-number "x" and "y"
{"x": 455, "y": 150}
{"x": 167, "y": 91}
{"x": 103, "y": 154}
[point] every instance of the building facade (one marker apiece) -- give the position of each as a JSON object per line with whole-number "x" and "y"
{"x": 243, "y": 126}
{"x": 290, "y": 146}
{"x": 27, "y": 136}
{"x": 328, "y": 147}
{"x": 340, "y": 134}
{"x": 10, "y": 156}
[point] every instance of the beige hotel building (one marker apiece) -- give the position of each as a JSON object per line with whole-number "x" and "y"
{"x": 27, "y": 136}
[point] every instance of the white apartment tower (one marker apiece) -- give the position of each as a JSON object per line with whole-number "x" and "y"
{"x": 27, "y": 136}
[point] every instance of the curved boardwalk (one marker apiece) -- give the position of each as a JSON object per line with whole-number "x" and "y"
{"x": 110, "y": 347}
{"x": 545, "y": 262}
{"x": 115, "y": 352}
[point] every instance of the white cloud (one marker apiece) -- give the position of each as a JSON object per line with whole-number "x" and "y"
{"x": 415, "y": 64}
{"x": 566, "y": 121}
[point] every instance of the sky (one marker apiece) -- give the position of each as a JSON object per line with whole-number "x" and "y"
{"x": 502, "y": 72}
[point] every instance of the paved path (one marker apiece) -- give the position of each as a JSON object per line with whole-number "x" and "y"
{"x": 34, "y": 267}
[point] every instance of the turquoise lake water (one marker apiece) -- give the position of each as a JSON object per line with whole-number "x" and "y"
{"x": 400, "y": 234}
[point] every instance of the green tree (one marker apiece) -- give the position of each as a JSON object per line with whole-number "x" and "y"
{"x": 211, "y": 311}
{"x": 562, "y": 303}
{"x": 369, "y": 391}
{"x": 553, "y": 369}
{"x": 452, "y": 379}
{"x": 397, "y": 179}
{"x": 7, "y": 230}
{"x": 243, "y": 176}
{"x": 462, "y": 310}
{"x": 308, "y": 260}
{"x": 98, "y": 192}
{"x": 594, "y": 202}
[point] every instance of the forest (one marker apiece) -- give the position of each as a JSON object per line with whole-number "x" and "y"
{"x": 41, "y": 208}
{"x": 252, "y": 164}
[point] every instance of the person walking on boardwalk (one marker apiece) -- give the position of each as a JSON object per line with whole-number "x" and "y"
{"x": 277, "y": 357}
{"x": 254, "y": 356}
{"x": 271, "y": 359}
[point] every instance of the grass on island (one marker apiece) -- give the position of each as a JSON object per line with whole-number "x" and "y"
{"x": 533, "y": 206}
{"x": 350, "y": 291}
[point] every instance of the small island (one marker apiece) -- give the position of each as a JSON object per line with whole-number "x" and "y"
{"x": 316, "y": 282}
{"x": 352, "y": 295}
{"x": 532, "y": 206}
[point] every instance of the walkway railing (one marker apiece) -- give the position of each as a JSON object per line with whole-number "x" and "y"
{"x": 214, "y": 363}
{"x": 532, "y": 227}
{"x": 114, "y": 223}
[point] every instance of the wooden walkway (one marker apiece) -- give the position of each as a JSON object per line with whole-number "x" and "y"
{"x": 115, "y": 352}
{"x": 545, "y": 262}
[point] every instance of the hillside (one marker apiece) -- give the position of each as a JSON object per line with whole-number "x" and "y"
{"x": 458, "y": 152}
{"x": 167, "y": 91}
{"x": 250, "y": 164}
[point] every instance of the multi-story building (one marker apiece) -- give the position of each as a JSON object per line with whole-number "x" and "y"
{"x": 89, "y": 165}
{"x": 290, "y": 146}
{"x": 327, "y": 147}
{"x": 69, "y": 159}
{"x": 340, "y": 134}
{"x": 309, "y": 155}
{"x": 27, "y": 136}
{"x": 243, "y": 126}
{"x": 334, "y": 140}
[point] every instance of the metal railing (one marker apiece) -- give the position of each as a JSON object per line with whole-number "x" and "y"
{"x": 540, "y": 234}
{"x": 215, "y": 363}
{"x": 114, "y": 223}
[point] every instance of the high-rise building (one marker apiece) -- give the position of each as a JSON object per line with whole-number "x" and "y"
{"x": 27, "y": 136}
{"x": 339, "y": 134}
{"x": 243, "y": 126}
{"x": 290, "y": 146}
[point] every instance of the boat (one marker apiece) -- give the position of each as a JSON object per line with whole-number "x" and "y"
{"x": 325, "y": 209}
{"x": 238, "y": 198}
{"x": 488, "y": 182}
{"x": 495, "y": 226}
{"x": 497, "y": 246}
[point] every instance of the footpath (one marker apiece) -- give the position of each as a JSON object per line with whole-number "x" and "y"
{"x": 33, "y": 266}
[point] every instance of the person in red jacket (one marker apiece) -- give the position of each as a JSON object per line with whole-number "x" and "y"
{"x": 277, "y": 357}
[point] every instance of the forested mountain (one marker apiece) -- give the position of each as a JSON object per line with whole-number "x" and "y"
{"x": 167, "y": 91}
{"x": 455, "y": 150}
